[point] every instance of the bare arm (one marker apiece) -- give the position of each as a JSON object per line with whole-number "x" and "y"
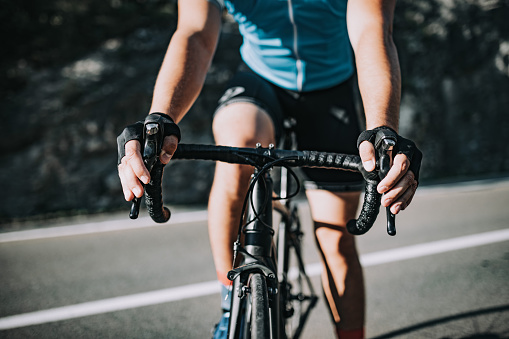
{"x": 370, "y": 30}
{"x": 178, "y": 84}
{"x": 187, "y": 59}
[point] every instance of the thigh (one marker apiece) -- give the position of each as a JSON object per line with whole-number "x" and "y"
{"x": 243, "y": 124}
{"x": 327, "y": 121}
{"x": 333, "y": 208}
{"x": 248, "y": 107}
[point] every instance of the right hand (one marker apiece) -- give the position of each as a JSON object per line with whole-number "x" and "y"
{"x": 132, "y": 170}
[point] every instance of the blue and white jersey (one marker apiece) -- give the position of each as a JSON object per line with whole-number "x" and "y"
{"x": 300, "y": 45}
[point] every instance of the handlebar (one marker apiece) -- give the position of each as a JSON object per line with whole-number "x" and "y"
{"x": 153, "y": 137}
{"x": 293, "y": 158}
{"x": 258, "y": 157}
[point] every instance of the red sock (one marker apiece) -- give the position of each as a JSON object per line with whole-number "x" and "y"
{"x": 350, "y": 334}
{"x": 223, "y": 279}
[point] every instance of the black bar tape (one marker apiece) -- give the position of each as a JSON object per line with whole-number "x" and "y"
{"x": 369, "y": 211}
{"x": 210, "y": 152}
{"x": 331, "y": 160}
{"x": 154, "y": 195}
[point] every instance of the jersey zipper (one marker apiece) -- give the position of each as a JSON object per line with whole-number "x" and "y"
{"x": 298, "y": 62}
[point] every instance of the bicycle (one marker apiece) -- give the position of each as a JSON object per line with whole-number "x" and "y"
{"x": 265, "y": 302}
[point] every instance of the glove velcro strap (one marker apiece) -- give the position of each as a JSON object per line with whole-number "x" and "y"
{"x": 370, "y": 135}
{"x": 170, "y": 127}
{"x": 135, "y": 131}
{"x": 403, "y": 146}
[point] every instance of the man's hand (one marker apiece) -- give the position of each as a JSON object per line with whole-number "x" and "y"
{"x": 400, "y": 183}
{"x": 132, "y": 170}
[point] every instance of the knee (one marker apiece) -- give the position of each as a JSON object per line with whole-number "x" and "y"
{"x": 228, "y": 136}
{"x": 242, "y": 125}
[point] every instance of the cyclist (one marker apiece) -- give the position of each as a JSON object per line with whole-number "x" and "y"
{"x": 297, "y": 63}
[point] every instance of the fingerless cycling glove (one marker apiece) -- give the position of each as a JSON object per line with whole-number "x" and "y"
{"x": 135, "y": 131}
{"x": 403, "y": 146}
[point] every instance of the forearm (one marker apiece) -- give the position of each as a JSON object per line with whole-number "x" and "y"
{"x": 377, "y": 62}
{"x": 182, "y": 75}
{"x": 380, "y": 86}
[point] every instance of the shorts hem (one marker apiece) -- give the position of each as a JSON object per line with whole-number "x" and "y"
{"x": 243, "y": 99}
{"x": 334, "y": 187}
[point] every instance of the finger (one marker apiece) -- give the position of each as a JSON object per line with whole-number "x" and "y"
{"x": 398, "y": 170}
{"x": 134, "y": 160}
{"x": 367, "y": 154}
{"x": 403, "y": 201}
{"x": 398, "y": 190}
{"x": 130, "y": 182}
{"x": 128, "y": 194}
{"x": 169, "y": 147}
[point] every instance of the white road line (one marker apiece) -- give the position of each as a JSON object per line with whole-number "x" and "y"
{"x": 99, "y": 227}
{"x": 435, "y": 247}
{"x": 109, "y": 305}
{"x": 212, "y": 287}
{"x": 201, "y": 216}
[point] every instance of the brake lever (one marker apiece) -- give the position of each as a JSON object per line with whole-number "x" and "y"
{"x": 151, "y": 149}
{"x": 385, "y": 144}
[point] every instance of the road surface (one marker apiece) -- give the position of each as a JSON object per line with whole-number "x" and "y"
{"x": 444, "y": 275}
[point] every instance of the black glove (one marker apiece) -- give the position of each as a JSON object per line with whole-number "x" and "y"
{"x": 403, "y": 146}
{"x": 135, "y": 131}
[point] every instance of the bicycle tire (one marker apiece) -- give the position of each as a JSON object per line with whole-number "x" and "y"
{"x": 296, "y": 289}
{"x": 287, "y": 306}
{"x": 297, "y": 294}
{"x": 257, "y": 316}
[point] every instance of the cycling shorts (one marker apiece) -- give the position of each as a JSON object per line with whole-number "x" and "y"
{"x": 326, "y": 120}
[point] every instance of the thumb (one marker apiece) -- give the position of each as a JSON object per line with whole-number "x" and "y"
{"x": 169, "y": 147}
{"x": 367, "y": 153}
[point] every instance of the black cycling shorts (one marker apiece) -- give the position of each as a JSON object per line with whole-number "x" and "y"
{"x": 326, "y": 120}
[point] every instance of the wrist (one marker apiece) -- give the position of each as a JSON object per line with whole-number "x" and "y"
{"x": 165, "y": 115}
{"x": 384, "y": 127}
{"x": 167, "y": 122}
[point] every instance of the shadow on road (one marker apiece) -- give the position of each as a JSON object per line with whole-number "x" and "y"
{"x": 487, "y": 323}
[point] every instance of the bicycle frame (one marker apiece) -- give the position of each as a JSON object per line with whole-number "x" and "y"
{"x": 289, "y": 237}
{"x": 261, "y": 255}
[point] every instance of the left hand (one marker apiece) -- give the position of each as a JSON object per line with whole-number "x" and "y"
{"x": 399, "y": 185}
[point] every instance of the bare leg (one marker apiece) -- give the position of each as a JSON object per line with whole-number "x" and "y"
{"x": 240, "y": 125}
{"x": 342, "y": 277}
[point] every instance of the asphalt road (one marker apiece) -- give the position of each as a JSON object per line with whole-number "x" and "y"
{"x": 444, "y": 275}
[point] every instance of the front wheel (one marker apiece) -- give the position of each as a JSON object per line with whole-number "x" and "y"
{"x": 257, "y": 308}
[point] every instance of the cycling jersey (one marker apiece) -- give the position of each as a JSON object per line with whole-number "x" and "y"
{"x": 300, "y": 45}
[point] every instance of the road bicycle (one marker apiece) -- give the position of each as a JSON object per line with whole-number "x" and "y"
{"x": 268, "y": 300}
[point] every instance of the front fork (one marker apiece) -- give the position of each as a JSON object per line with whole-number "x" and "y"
{"x": 259, "y": 257}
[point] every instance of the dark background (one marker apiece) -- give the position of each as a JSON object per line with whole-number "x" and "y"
{"x": 74, "y": 73}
